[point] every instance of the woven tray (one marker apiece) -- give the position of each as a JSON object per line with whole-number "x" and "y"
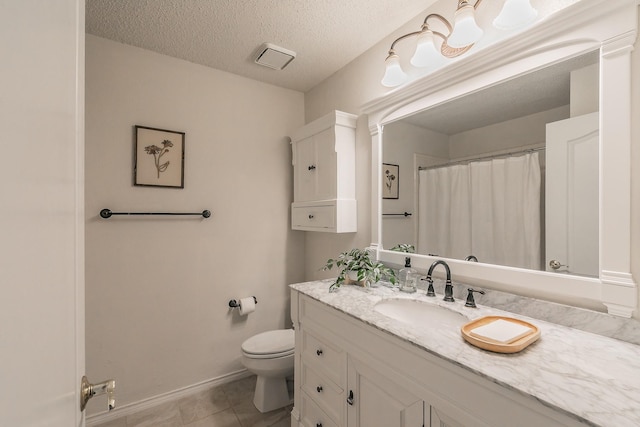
{"x": 512, "y": 347}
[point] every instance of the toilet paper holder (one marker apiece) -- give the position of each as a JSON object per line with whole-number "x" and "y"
{"x": 235, "y": 304}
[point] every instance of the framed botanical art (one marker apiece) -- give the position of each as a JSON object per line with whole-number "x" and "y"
{"x": 390, "y": 181}
{"x": 159, "y": 158}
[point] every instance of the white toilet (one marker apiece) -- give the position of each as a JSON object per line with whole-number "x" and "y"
{"x": 269, "y": 355}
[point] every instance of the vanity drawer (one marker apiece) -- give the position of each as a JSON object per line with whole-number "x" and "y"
{"x": 326, "y": 394}
{"x": 323, "y": 356}
{"x": 312, "y": 415}
{"x": 306, "y": 217}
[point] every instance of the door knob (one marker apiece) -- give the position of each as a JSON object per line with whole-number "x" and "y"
{"x": 556, "y": 264}
{"x": 88, "y": 390}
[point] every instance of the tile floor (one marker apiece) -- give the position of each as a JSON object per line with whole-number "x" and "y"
{"x": 228, "y": 405}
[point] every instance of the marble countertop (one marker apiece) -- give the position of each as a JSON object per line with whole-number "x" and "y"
{"x": 592, "y": 378}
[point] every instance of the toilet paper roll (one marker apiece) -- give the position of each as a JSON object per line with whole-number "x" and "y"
{"x": 247, "y": 305}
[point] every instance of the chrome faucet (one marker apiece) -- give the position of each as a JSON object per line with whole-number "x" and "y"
{"x": 448, "y": 289}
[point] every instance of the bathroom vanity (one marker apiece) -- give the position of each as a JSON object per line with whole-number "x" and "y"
{"x": 355, "y": 366}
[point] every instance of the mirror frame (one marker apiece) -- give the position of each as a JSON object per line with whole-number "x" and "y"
{"x": 609, "y": 26}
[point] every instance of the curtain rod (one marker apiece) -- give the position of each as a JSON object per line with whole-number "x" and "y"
{"x": 489, "y": 157}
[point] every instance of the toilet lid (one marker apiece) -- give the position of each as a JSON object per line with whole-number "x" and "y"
{"x": 270, "y": 342}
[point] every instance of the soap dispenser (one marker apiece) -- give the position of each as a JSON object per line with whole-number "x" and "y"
{"x": 408, "y": 277}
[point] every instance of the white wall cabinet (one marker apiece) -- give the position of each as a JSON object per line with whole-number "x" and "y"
{"x": 324, "y": 175}
{"x": 351, "y": 374}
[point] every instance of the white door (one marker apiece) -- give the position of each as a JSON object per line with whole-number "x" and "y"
{"x": 572, "y": 196}
{"x": 41, "y": 212}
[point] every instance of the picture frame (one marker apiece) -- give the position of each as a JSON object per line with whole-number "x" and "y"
{"x": 390, "y": 181}
{"x": 158, "y": 157}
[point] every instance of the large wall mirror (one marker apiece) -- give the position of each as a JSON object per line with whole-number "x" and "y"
{"x": 507, "y": 175}
{"x": 518, "y": 156}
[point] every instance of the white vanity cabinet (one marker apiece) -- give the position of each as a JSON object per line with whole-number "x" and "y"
{"x": 324, "y": 175}
{"x": 377, "y": 400}
{"x": 334, "y": 388}
{"x": 348, "y": 373}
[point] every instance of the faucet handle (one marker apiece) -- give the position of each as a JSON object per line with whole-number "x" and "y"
{"x": 470, "y": 301}
{"x": 430, "y": 291}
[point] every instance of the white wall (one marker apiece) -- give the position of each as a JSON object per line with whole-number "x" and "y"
{"x": 585, "y": 97}
{"x": 358, "y": 83}
{"x": 512, "y": 134}
{"x": 157, "y": 288}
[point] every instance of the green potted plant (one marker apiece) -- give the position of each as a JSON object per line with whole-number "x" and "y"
{"x": 404, "y": 247}
{"x": 356, "y": 265}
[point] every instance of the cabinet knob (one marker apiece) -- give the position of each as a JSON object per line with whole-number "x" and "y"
{"x": 319, "y": 352}
{"x": 312, "y": 167}
{"x": 319, "y": 389}
{"x": 310, "y": 216}
{"x": 318, "y": 424}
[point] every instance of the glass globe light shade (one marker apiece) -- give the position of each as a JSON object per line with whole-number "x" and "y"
{"x": 393, "y": 75}
{"x": 426, "y": 53}
{"x": 515, "y": 14}
{"x": 465, "y": 29}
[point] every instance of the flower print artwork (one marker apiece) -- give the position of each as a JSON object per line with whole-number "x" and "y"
{"x": 157, "y": 153}
{"x": 390, "y": 178}
{"x": 390, "y": 181}
{"x": 159, "y": 158}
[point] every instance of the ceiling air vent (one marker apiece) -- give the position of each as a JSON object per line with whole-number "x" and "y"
{"x": 275, "y": 57}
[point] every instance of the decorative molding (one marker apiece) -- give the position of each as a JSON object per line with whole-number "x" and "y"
{"x": 619, "y": 310}
{"x": 621, "y": 45}
{"x": 376, "y": 187}
{"x": 295, "y": 416}
{"x": 163, "y": 398}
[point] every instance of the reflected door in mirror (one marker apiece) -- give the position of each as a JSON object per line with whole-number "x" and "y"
{"x": 572, "y": 195}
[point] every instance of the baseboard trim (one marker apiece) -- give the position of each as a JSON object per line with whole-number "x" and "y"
{"x": 160, "y": 399}
{"x": 295, "y": 417}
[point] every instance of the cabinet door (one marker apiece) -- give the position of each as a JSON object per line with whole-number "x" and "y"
{"x": 305, "y": 170}
{"x": 440, "y": 419}
{"x": 374, "y": 400}
{"x": 326, "y": 165}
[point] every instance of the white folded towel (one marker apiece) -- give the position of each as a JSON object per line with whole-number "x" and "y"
{"x": 501, "y": 331}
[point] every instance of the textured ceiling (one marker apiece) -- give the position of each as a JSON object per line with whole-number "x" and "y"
{"x": 225, "y": 34}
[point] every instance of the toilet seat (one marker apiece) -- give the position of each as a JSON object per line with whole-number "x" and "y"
{"x": 270, "y": 344}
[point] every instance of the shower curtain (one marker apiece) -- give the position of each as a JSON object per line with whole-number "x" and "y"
{"x": 490, "y": 209}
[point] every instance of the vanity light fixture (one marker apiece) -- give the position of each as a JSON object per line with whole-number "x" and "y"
{"x": 460, "y": 37}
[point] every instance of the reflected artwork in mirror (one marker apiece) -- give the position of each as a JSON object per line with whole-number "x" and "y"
{"x": 482, "y": 184}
